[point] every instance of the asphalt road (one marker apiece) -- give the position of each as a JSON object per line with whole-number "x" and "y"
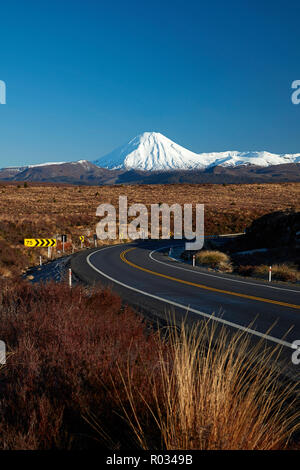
{"x": 146, "y": 277}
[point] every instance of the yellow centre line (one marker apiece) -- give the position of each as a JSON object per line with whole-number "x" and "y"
{"x": 201, "y": 286}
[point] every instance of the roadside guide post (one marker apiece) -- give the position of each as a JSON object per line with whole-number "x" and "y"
{"x": 70, "y": 277}
{"x": 95, "y": 240}
{"x": 194, "y": 259}
{"x": 270, "y": 273}
{"x": 40, "y": 243}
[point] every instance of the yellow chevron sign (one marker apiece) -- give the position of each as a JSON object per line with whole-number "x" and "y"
{"x": 40, "y": 242}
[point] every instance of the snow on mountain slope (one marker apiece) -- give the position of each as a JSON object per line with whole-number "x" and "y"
{"x": 150, "y": 151}
{"x": 45, "y": 164}
{"x": 154, "y": 151}
{"x": 84, "y": 163}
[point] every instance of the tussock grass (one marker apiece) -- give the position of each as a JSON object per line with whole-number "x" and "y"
{"x": 214, "y": 259}
{"x": 78, "y": 355}
{"x": 209, "y": 394}
{"x": 280, "y": 272}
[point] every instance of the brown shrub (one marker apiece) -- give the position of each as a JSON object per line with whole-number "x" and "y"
{"x": 246, "y": 270}
{"x": 66, "y": 345}
{"x": 214, "y": 259}
{"x": 79, "y": 361}
{"x": 280, "y": 272}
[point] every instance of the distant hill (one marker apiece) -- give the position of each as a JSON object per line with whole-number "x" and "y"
{"x": 81, "y": 172}
{"x": 153, "y": 158}
{"x": 84, "y": 172}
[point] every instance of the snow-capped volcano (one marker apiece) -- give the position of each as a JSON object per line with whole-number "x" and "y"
{"x": 150, "y": 151}
{"x": 153, "y": 151}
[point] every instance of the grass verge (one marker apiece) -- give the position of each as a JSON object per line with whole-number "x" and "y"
{"x": 213, "y": 395}
{"x": 214, "y": 259}
{"x": 85, "y": 372}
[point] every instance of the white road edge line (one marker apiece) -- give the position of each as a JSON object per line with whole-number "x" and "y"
{"x": 213, "y": 275}
{"x": 186, "y": 307}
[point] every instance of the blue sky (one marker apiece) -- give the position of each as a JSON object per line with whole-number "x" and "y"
{"x": 84, "y": 76}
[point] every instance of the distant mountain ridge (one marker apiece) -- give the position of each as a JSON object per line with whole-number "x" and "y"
{"x": 81, "y": 172}
{"x": 152, "y": 151}
{"x": 153, "y": 158}
{"x": 90, "y": 174}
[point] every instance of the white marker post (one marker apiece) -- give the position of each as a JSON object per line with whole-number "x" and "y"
{"x": 40, "y": 261}
{"x": 70, "y": 277}
{"x": 270, "y": 273}
{"x": 194, "y": 259}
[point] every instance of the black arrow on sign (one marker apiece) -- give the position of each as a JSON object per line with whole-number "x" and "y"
{"x": 45, "y": 242}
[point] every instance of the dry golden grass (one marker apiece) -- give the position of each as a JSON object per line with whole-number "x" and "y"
{"x": 48, "y": 203}
{"x": 280, "y": 272}
{"x": 46, "y": 210}
{"x": 215, "y": 395}
{"x": 214, "y": 259}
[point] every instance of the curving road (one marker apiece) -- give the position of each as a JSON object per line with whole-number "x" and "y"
{"x": 146, "y": 277}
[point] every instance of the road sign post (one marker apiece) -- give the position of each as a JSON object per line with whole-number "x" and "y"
{"x": 81, "y": 238}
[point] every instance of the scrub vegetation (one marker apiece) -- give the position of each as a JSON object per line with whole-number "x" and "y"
{"x": 85, "y": 372}
{"x": 48, "y": 210}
